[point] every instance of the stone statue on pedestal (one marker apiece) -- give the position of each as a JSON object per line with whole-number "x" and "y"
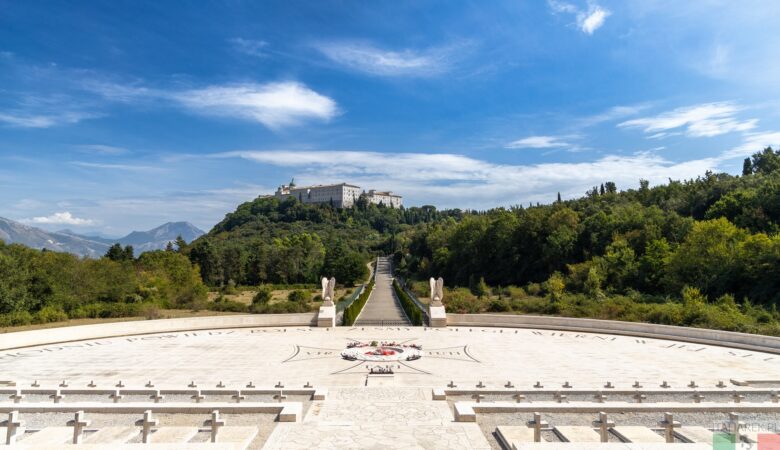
{"x": 437, "y": 291}
{"x": 328, "y": 287}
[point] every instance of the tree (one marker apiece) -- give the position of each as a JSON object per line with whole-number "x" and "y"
{"x": 747, "y": 167}
{"x": 117, "y": 253}
{"x": 169, "y": 246}
{"x": 262, "y": 296}
{"x": 559, "y": 197}
{"x": 180, "y": 243}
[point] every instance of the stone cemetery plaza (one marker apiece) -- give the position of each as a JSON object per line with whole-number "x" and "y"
{"x": 467, "y": 382}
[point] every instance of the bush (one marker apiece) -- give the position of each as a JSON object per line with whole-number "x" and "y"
{"x": 410, "y": 308}
{"x": 353, "y": 310}
{"x": 298, "y": 296}
{"x": 262, "y": 296}
{"x": 15, "y": 319}
{"x": 49, "y": 314}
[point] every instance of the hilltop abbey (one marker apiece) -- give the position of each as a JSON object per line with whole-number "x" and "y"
{"x": 341, "y": 195}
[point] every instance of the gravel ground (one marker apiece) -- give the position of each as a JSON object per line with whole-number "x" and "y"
{"x": 488, "y": 422}
{"x": 720, "y": 397}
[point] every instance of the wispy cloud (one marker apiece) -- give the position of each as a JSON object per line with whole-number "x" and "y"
{"x": 102, "y": 149}
{"x": 588, "y": 20}
{"x": 125, "y": 167}
{"x": 31, "y": 119}
{"x": 60, "y": 218}
{"x": 704, "y": 120}
{"x": 368, "y": 58}
{"x": 275, "y": 105}
{"x": 752, "y": 143}
{"x": 250, "y": 47}
{"x": 540, "y": 142}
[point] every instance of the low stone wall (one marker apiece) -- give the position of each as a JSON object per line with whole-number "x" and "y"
{"x": 698, "y": 335}
{"x": 103, "y": 330}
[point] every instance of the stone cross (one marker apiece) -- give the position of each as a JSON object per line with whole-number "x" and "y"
{"x": 120, "y": 384}
{"x": 35, "y": 384}
{"x": 600, "y": 397}
{"x": 560, "y": 398}
{"x": 775, "y": 397}
{"x": 669, "y": 424}
{"x": 157, "y": 396}
{"x": 437, "y": 291}
{"x": 280, "y": 396}
{"x": 609, "y": 385}
{"x": 251, "y": 385}
{"x": 733, "y": 426}
{"x": 537, "y": 424}
{"x": 238, "y": 397}
{"x": 480, "y": 385}
{"x": 693, "y": 385}
{"x": 603, "y": 424}
{"x": 519, "y": 398}
{"x": 17, "y": 396}
{"x": 538, "y": 385}
{"x": 636, "y": 385}
{"x": 56, "y": 396}
{"x": 452, "y": 384}
{"x": 78, "y": 423}
{"x": 13, "y": 427}
{"x": 567, "y": 385}
{"x": 92, "y": 384}
{"x": 149, "y": 384}
{"x": 64, "y": 383}
{"x": 116, "y": 396}
{"x": 221, "y": 384}
{"x": 308, "y": 385}
{"x": 198, "y": 396}
{"x": 279, "y": 385}
{"x": 720, "y": 384}
{"x": 215, "y": 423}
{"x": 737, "y": 397}
{"x": 639, "y": 397}
{"x": 665, "y": 385}
{"x": 477, "y": 397}
{"x": 509, "y": 385}
{"x": 328, "y": 287}
{"x": 192, "y": 384}
{"x": 697, "y": 397}
{"x": 146, "y": 425}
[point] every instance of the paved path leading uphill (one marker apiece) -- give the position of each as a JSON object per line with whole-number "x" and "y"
{"x": 382, "y": 307}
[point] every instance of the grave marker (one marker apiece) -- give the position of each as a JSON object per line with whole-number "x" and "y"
{"x": 56, "y": 396}
{"x": 157, "y": 397}
{"x": 537, "y": 424}
{"x": 603, "y": 424}
{"x": 146, "y": 425}
{"x": 477, "y": 397}
{"x": 215, "y": 424}
{"x": 669, "y": 424}
{"x": 13, "y": 427}
{"x": 78, "y": 423}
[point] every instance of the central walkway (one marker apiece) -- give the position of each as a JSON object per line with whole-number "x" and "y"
{"x": 382, "y": 307}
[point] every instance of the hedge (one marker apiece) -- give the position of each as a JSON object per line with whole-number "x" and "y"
{"x": 353, "y": 310}
{"x": 410, "y": 307}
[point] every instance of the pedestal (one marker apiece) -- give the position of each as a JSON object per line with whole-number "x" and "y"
{"x": 438, "y": 316}
{"x": 326, "y": 317}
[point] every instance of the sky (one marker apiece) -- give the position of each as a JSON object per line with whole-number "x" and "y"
{"x": 122, "y": 115}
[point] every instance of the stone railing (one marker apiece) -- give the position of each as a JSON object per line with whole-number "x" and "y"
{"x": 114, "y": 329}
{"x": 697, "y": 335}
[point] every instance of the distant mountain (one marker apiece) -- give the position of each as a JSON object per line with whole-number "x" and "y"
{"x": 95, "y": 246}
{"x": 16, "y": 233}
{"x": 158, "y": 238}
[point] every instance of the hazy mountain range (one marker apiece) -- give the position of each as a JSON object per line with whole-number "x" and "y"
{"x": 12, "y": 232}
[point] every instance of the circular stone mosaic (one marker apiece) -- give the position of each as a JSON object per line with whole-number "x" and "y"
{"x": 381, "y": 351}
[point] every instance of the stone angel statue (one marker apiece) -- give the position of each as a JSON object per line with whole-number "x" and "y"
{"x": 437, "y": 291}
{"x": 328, "y": 287}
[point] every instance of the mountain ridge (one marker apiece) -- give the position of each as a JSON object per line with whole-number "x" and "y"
{"x": 157, "y": 238}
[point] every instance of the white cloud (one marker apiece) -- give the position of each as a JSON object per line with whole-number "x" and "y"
{"x": 60, "y": 218}
{"x": 275, "y": 105}
{"x": 125, "y": 167}
{"x": 704, "y": 120}
{"x": 451, "y": 180}
{"x": 539, "y": 142}
{"x": 22, "y": 119}
{"x": 102, "y": 149}
{"x": 752, "y": 143}
{"x": 364, "y": 57}
{"x": 588, "y": 21}
{"x": 250, "y": 46}
{"x": 593, "y": 19}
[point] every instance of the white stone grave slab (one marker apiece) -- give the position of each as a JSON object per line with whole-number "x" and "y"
{"x": 112, "y": 435}
{"x": 695, "y": 434}
{"x": 240, "y": 436}
{"x": 638, "y": 434}
{"x": 49, "y": 436}
{"x": 578, "y": 434}
{"x": 512, "y": 436}
{"x": 168, "y": 435}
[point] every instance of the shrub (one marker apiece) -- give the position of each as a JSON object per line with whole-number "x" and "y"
{"x": 410, "y": 307}
{"x": 298, "y": 296}
{"x": 49, "y": 314}
{"x": 353, "y": 310}
{"x": 262, "y": 296}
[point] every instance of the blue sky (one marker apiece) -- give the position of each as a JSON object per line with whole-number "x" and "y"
{"x": 123, "y": 115}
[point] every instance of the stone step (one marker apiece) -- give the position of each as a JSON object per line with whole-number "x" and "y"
{"x": 512, "y": 436}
